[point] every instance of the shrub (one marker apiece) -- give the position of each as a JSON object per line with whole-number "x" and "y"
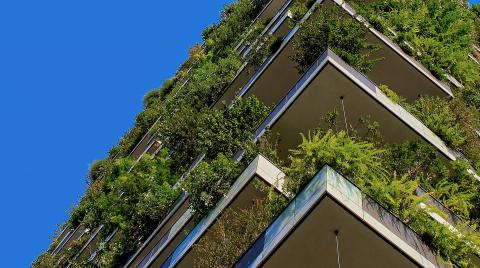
{"x": 230, "y": 236}
{"x": 236, "y": 17}
{"x": 441, "y": 32}
{"x": 356, "y": 159}
{"x": 392, "y": 95}
{"x": 209, "y": 182}
{"x": 371, "y": 169}
{"x": 132, "y": 201}
{"x": 331, "y": 28}
{"x": 99, "y": 168}
{"x": 471, "y": 96}
{"x": 158, "y": 95}
{"x": 211, "y": 131}
{"x": 449, "y": 182}
{"x": 453, "y": 121}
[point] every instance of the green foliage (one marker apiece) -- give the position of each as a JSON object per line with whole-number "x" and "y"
{"x": 392, "y": 95}
{"x": 375, "y": 172}
{"x": 230, "y": 236}
{"x": 451, "y": 183}
{"x": 298, "y": 9}
{"x": 471, "y": 95}
{"x": 261, "y": 49}
{"x": 157, "y": 95}
{"x": 100, "y": 168}
{"x": 228, "y": 131}
{"x": 134, "y": 202}
{"x": 453, "y": 246}
{"x": 356, "y": 159}
{"x": 263, "y": 147}
{"x": 143, "y": 122}
{"x": 220, "y": 39}
{"x": 332, "y": 28}
{"x": 236, "y": 229}
{"x": 207, "y": 80}
{"x": 453, "y": 121}
{"x": 440, "y": 32}
{"x": 209, "y": 182}
{"x": 46, "y": 260}
{"x": 211, "y": 130}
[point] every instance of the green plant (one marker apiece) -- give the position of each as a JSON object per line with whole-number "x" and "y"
{"x": 453, "y": 121}
{"x": 131, "y": 201}
{"x": 392, "y": 95}
{"x": 298, "y": 9}
{"x": 219, "y": 38}
{"x": 356, "y": 159}
{"x": 236, "y": 229}
{"x": 375, "y": 172}
{"x": 158, "y": 95}
{"x": 230, "y": 236}
{"x": 211, "y": 131}
{"x": 99, "y": 168}
{"x": 449, "y": 182}
{"x": 332, "y": 28}
{"x": 209, "y": 182}
{"x": 440, "y": 33}
{"x": 470, "y": 94}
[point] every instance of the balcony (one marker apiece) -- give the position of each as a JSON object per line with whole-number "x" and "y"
{"x": 397, "y": 70}
{"x": 330, "y": 84}
{"x": 112, "y": 237}
{"x": 278, "y": 27}
{"x": 69, "y": 237}
{"x": 368, "y": 235}
{"x": 143, "y": 145}
{"x": 240, "y": 196}
{"x": 90, "y": 245}
{"x": 271, "y": 9}
{"x": 155, "y": 242}
{"x": 172, "y": 239}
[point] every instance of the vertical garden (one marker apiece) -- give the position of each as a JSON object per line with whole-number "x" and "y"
{"x": 129, "y": 197}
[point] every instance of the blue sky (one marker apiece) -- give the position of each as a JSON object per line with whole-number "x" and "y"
{"x": 72, "y": 78}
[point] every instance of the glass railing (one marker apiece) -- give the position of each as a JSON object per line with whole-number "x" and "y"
{"x": 166, "y": 239}
{"x": 271, "y": 22}
{"x": 66, "y": 239}
{"x": 101, "y": 245}
{"x": 89, "y": 241}
{"x": 63, "y": 242}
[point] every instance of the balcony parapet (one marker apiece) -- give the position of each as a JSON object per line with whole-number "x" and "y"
{"x": 329, "y": 183}
{"x": 329, "y": 57}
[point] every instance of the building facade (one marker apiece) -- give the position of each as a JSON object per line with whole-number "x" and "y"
{"x": 384, "y": 173}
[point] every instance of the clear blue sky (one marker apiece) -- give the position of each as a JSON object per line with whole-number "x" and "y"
{"x": 72, "y": 78}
